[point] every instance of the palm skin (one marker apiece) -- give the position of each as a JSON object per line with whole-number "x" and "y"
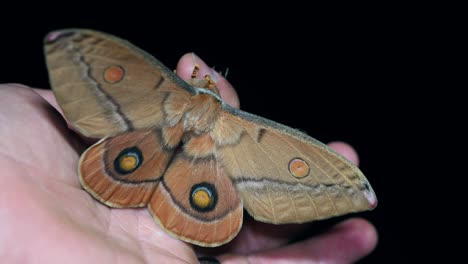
{"x": 46, "y": 217}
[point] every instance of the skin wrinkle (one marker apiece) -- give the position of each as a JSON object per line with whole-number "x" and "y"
{"x": 129, "y": 234}
{"x": 20, "y": 163}
{"x": 97, "y": 229}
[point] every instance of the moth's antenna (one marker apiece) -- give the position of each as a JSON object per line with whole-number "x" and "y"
{"x": 224, "y": 74}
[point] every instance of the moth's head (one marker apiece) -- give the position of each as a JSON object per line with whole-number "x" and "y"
{"x": 206, "y": 83}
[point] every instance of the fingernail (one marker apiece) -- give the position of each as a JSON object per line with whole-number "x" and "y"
{"x": 215, "y": 76}
{"x": 195, "y": 58}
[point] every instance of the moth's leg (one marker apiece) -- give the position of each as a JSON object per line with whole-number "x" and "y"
{"x": 206, "y": 82}
{"x": 196, "y": 68}
{"x": 209, "y": 80}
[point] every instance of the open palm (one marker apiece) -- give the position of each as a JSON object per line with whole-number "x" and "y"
{"x": 46, "y": 217}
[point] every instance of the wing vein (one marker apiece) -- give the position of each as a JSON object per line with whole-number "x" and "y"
{"x": 326, "y": 191}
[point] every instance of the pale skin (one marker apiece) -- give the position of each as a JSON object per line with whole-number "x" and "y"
{"x": 46, "y": 217}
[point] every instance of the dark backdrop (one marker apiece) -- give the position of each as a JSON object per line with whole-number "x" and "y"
{"x": 337, "y": 76}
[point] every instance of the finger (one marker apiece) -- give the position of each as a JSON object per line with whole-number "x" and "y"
{"x": 185, "y": 69}
{"x": 256, "y": 236}
{"x": 345, "y": 150}
{"x": 345, "y": 243}
{"x": 49, "y": 96}
{"x": 46, "y": 94}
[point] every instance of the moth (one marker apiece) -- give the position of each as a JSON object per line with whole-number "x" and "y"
{"x": 175, "y": 147}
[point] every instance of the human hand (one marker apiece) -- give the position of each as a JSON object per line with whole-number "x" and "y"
{"x": 46, "y": 217}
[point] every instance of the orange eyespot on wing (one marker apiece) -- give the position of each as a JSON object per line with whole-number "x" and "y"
{"x": 203, "y": 197}
{"x": 298, "y": 168}
{"x": 197, "y": 202}
{"x": 128, "y": 160}
{"x": 123, "y": 171}
{"x": 114, "y": 74}
{"x": 285, "y": 176}
{"x": 106, "y": 86}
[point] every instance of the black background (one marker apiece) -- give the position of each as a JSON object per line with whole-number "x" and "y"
{"x": 338, "y": 74}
